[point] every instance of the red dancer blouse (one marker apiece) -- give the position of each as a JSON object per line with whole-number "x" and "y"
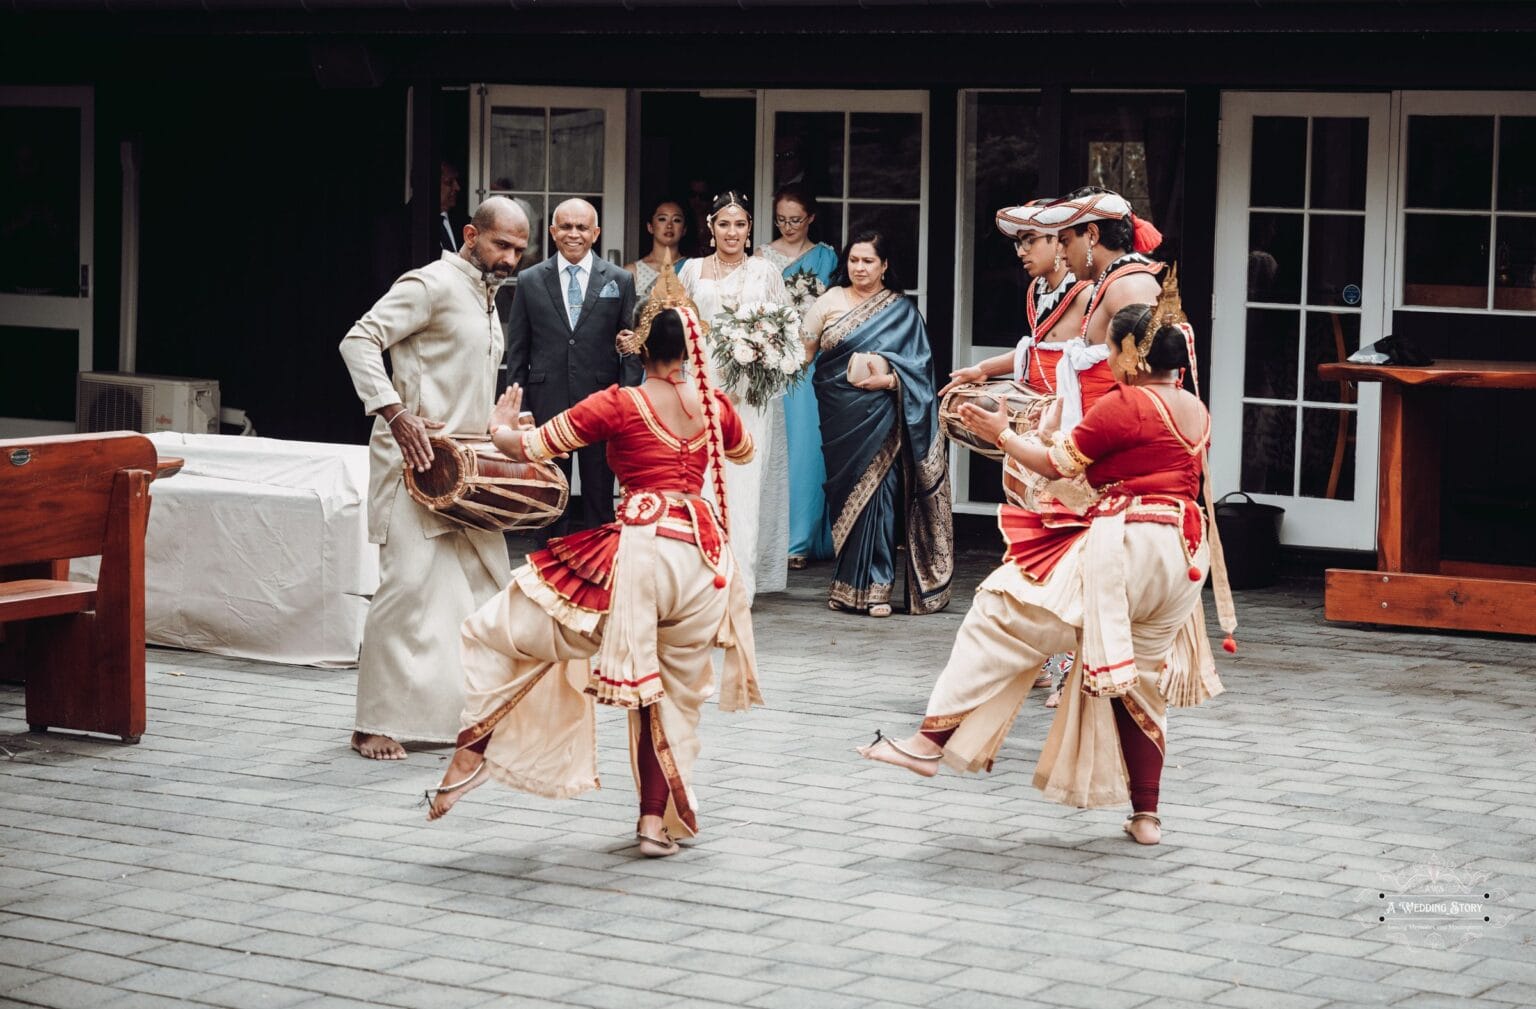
{"x": 1132, "y": 453}
{"x": 647, "y": 457}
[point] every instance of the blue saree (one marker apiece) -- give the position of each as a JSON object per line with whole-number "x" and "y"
{"x": 810, "y": 531}
{"x": 871, "y": 499}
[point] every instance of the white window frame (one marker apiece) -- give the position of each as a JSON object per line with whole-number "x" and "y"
{"x": 1452, "y": 103}
{"x": 771, "y": 102}
{"x": 615, "y": 105}
{"x": 60, "y": 312}
{"x": 1312, "y": 522}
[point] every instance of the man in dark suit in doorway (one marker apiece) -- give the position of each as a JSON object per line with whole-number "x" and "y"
{"x": 561, "y": 332}
{"x": 450, "y": 220}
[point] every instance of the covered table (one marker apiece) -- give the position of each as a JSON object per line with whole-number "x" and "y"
{"x": 1413, "y": 585}
{"x": 259, "y": 549}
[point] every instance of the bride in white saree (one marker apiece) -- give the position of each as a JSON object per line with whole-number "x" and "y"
{"x": 758, "y": 492}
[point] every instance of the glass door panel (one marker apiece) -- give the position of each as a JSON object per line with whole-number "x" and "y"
{"x": 46, "y": 217}
{"x": 864, "y": 158}
{"x": 1301, "y": 252}
{"x": 541, "y": 146}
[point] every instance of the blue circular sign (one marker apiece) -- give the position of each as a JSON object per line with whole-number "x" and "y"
{"x": 1352, "y": 294}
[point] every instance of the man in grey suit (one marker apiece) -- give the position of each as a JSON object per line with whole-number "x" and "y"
{"x": 561, "y": 343}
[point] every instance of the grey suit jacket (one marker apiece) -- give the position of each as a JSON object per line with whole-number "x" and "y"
{"x": 556, "y": 365}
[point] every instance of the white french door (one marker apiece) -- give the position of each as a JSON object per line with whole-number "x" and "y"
{"x": 47, "y": 214}
{"x": 864, "y": 156}
{"x": 541, "y": 146}
{"x": 1301, "y": 280}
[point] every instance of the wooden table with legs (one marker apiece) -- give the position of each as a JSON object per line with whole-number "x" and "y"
{"x": 1413, "y": 586}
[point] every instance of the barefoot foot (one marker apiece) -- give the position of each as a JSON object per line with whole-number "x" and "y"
{"x": 466, "y": 772}
{"x": 376, "y": 747}
{"x": 917, "y": 753}
{"x": 1144, "y": 828}
{"x": 1055, "y": 698}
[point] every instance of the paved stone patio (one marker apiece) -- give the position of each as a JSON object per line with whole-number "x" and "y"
{"x": 242, "y": 856}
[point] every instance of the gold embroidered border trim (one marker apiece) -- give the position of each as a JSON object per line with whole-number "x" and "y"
{"x": 854, "y": 598}
{"x": 668, "y": 764}
{"x": 1066, "y": 456}
{"x": 855, "y": 317}
{"x": 943, "y": 723}
{"x": 744, "y": 451}
{"x": 866, "y": 487}
{"x": 1144, "y": 722}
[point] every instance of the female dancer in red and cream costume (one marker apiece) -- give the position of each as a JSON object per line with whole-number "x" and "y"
{"x": 1118, "y": 576}
{"x": 628, "y": 613}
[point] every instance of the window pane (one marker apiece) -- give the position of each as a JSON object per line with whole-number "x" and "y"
{"x": 829, "y": 221}
{"x": 1269, "y": 449}
{"x": 900, "y": 226}
{"x": 1335, "y": 260}
{"x": 576, "y": 150}
{"x": 1146, "y": 135}
{"x": 1517, "y": 163}
{"x": 1445, "y": 261}
{"x": 538, "y": 230}
{"x": 1278, "y": 177}
{"x": 1001, "y": 159}
{"x": 1331, "y": 338}
{"x": 40, "y": 203}
{"x": 886, "y": 155}
{"x": 808, "y": 149}
{"x": 1274, "y": 257}
{"x": 1514, "y": 264}
{"x": 517, "y": 149}
{"x": 45, "y": 388}
{"x": 1269, "y": 366}
{"x": 1328, "y": 454}
{"x": 1338, "y": 163}
{"x": 1450, "y": 162}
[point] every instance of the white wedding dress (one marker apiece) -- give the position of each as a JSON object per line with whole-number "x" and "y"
{"x": 758, "y": 492}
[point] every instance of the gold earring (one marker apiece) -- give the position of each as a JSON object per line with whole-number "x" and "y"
{"x": 1090, "y": 258}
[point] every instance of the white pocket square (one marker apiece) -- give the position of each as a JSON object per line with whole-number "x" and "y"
{"x": 610, "y": 290}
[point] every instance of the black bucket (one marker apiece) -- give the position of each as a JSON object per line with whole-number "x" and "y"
{"x": 1250, "y": 537}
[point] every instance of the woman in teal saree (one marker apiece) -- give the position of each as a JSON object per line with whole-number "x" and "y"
{"x": 887, "y": 468}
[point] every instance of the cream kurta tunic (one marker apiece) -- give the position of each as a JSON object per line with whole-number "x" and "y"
{"x": 444, "y": 340}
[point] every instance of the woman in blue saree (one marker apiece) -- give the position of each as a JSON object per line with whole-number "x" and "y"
{"x": 887, "y": 468}
{"x": 807, "y": 266}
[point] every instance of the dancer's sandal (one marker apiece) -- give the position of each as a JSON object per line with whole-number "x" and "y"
{"x": 657, "y": 847}
{"x": 880, "y": 610}
{"x": 881, "y": 737}
{"x": 1156, "y": 822}
{"x": 429, "y": 796}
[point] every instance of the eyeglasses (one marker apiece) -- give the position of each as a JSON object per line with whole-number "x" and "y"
{"x": 788, "y": 222}
{"x": 1023, "y": 244}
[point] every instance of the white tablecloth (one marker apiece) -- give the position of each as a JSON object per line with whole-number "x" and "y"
{"x": 259, "y": 548}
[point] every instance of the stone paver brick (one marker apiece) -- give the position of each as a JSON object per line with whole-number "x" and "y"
{"x": 242, "y": 856}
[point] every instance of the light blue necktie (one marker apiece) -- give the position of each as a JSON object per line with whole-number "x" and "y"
{"x": 573, "y": 293}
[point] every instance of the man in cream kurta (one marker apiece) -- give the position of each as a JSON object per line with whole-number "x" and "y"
{"x": 444, "y": 339}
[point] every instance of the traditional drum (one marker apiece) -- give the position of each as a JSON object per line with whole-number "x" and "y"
{"x": 473, "y": 484}
{"x": 1024, "y": 409}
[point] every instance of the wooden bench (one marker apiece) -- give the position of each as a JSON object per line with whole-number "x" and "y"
{"x": 79, "y": 646}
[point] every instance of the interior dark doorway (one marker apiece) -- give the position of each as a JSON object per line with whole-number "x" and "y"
{"x": 692, "y": 146}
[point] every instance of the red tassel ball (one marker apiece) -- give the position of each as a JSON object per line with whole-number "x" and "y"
{"x": 1229, "y": 645}
{"x": 1194, "y": 574}
{"x": 720, "y": 583}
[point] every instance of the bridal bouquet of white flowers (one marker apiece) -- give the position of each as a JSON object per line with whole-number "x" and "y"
{"x": 804, "y": 288}
{"x": 757, "y": 350}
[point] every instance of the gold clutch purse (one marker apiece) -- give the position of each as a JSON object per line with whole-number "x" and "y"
{"x": 866, "y": 366}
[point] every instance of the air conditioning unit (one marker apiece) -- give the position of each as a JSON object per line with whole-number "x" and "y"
{"x": 114, "y": 401}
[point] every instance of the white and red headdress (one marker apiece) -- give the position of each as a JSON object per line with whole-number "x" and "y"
{"x": 1068, "y": 213}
